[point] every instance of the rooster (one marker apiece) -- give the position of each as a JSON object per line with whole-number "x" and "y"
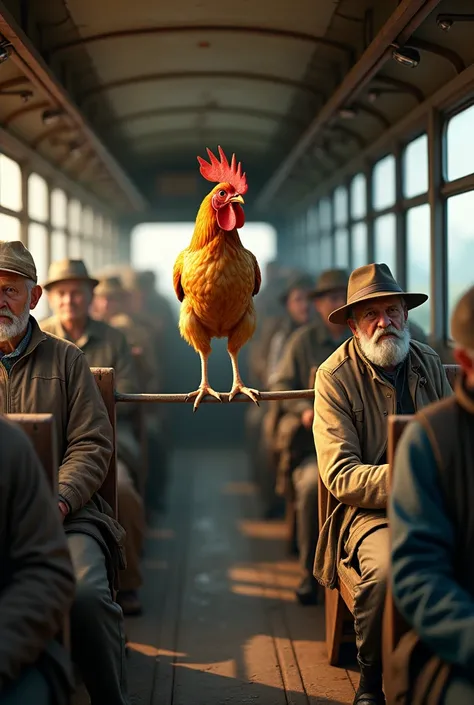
{"x": 215, "y": 277}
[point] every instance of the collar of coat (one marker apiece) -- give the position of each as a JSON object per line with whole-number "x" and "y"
{"x": 90, "y": 331}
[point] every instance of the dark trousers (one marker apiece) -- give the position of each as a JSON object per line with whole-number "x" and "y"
{"x": 97, "y": 629}
{"x": 305, "y": 482}
{"x": 373, "y": 555}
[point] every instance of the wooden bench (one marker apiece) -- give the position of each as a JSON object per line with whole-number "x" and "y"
{"x": 339, "y": 604}
{"x": 105, "y": 380}
{"x": 40, "y": 430}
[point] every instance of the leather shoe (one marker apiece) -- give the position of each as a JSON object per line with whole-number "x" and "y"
{"x": 369, "y": 698}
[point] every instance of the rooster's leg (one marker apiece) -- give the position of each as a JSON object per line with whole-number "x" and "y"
{"x": 204, "y": 387}
{"x": 238, "y": 386}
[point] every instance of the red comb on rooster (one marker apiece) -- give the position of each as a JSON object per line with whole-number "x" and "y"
{"x": 215, "y": 277}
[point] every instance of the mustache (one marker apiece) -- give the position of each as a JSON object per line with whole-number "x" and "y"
{"x": 380, "y": 332}
{"x": 7, "y": 314}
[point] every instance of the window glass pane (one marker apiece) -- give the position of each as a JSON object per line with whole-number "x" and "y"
{"x": 75, "y": 250}
{"x": 87, "y": 222}
{"x": 58, "y": 245}
{"x": 74, "y": 216}
{"x": 359, "y": 245}
{"x": 38, "y": 246}
{"x": 88, "y": 254}
{"x": 325, "y": 214}
{"x": 384, "y": 183}
{"x": 385, "y": 242}
{"x": 58, "y": 208}
{"x": 340, "y": 206}
{"x": 9, "y": 227}
{"x": 342, "y": 247}
{"x": 358, "y": 196}
{"x": 460, "y": 145}
{"x": 415, "y": 167}
{"x": 460, "y": 248}
{"x": 326, "y": 254}
{"x": 10, "y": 184}
{"x": 37, "y": 198}
{"x": 418, "y": 261}
{"x": 312, "y": 223}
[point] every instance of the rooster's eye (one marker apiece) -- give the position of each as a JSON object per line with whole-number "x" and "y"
{"x": 222, "y": 193}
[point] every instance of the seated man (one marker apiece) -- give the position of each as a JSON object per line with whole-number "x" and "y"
{"x": 36, "y": 580}
{"x": 433, "y": 539}
{"x": 379, "y": 371}
{"x": 40, "y": 373}
{"x": 70, "y": 291}
{"x": 307, "y": 347}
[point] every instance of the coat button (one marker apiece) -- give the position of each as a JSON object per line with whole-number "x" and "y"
{"x": 385, "y": 413}
{"x": 388, "y": 395}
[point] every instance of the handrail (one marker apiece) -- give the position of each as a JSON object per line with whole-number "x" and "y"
{"x": 181, "y": 398}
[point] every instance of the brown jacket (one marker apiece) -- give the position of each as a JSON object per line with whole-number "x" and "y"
{"x": 352, "y": 403}
{"x": 36, "y": 575}
{"x": 52, "y": 376}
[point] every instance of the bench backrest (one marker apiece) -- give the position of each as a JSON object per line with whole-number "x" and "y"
{"x": 40, "y": 430}
{"x": 105, "y": 380}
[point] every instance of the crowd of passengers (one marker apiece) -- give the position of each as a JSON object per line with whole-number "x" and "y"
{"x": 68, "y": 554}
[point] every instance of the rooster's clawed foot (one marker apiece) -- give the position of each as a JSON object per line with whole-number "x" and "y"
{"x": 200, "y": 394}
{"x": 241, "y": 389}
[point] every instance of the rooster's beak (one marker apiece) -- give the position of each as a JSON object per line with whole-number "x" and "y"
{"x": 237, "y": 199}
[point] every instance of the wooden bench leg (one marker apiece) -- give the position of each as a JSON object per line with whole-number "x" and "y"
{"x": 335, "y": 610}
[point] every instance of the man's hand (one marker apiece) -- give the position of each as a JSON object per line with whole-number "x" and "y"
{"x": 307, "y": 418}
{"x": 63, "y": 509}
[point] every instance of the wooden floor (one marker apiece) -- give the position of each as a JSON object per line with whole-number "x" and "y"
{"x": 220, "y": 624}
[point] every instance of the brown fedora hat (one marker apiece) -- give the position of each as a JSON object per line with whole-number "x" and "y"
{"x": 330, "y": 280}
{"x": 110, "y": 286}
{"x": 373, "y": 281}
{"x": 67, "y": 270}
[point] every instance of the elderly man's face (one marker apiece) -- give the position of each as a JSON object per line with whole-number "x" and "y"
{"x": 381, "y": 327}
{"x": 16, "y": 301}
{"x": 70, "y": 300}
{"x": 106, "y": 306}
{"x": 329, "y": 302}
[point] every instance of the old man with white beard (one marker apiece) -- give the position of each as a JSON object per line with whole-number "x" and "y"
{"x": 377, "y": 372}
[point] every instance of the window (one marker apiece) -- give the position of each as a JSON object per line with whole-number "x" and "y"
{"x": 358, "y": 197}
{"x": 9, "y": 227}
{"x": 58, "y": 208}
{"x": 340, "y": 206}
{"x": 342, "y": 247}
{"x": 58, "y": 245}
{"x": 359, "y": 245}
{"x": 385, "y": 242}
{"x": 325, "y": 214}
{"x": 460, "y": 247}
{"x": 38, "y": 195}
{"x": 326, "y": 253}
{"x": 10, "y": 184}
{"x": 74, "y": 216}
{"x": 415, "y": 167}
{"x": 384, "y": 183}
{"x": 75, "y": 249}
{"x": 418, "y": 260}
{"x": 87, "y": 222}
{"x": 38, "y": 246}
{"x": 460, "y": 145}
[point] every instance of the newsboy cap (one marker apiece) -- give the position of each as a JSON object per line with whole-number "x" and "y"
{"x": 15, "y": 258}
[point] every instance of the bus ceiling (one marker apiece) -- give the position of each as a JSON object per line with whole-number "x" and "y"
{"x": 121, "y": 103}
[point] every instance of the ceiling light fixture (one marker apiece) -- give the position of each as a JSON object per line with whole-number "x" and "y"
{"x": 406, "y": 56}
{"x": 445, "y": 21}
{"x": 50, "y": 117}
{"x": 347, "y": 113}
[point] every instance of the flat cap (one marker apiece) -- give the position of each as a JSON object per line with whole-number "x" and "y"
{"x": 462, "y": 320}
{"x": 15, "y": 258}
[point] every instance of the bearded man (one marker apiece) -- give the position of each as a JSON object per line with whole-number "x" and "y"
{"x": 379, "y": 371}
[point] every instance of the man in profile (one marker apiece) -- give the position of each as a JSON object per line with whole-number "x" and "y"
{"x": 36, "y": 580}
{"x": 431, "y": 519}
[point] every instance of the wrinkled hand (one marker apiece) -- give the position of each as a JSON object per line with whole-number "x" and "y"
{"x": 307, "y": 418}
{"x": 63, "y": 510}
